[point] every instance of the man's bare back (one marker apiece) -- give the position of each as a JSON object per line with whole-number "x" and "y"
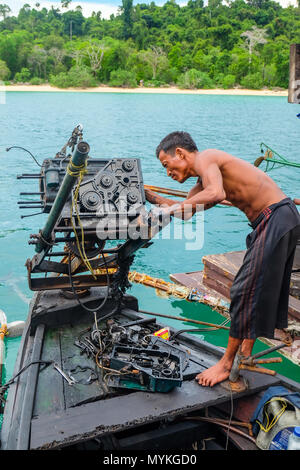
{"x": 221, "y": 177}
{"x": 246, "y": 187}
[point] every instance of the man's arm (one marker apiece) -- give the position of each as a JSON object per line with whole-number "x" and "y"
{"x": 211, "y": 194}
{"x": 155, "y": 198}
{"x": 159, "y": 200}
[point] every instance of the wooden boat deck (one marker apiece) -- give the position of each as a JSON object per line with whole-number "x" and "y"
{"x": 44, "y": 412}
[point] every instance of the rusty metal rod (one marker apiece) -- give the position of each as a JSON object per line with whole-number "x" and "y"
{"x": 263, "y": 353}
{"x": 268, "y": 361}
{"x": 172, "y": 317}
{"x": 261, "y": 370}
{"x": 219, "y": 423}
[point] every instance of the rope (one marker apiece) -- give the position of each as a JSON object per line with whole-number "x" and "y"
{"x": 276, "y": 417}
{"x": 4, "y": 387}
{"x": 3, "y": 330}
{"x": 79, "y": 171}
{"x": 166, "y": 289}
{"x": 160, "y": 285}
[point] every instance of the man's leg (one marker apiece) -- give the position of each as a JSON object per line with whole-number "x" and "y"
{"x": 221, "y": 370}
{"x": 247, "y": 346}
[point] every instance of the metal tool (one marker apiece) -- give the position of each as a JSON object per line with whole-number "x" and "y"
{"x": 238, "y": 383}
{"x": 65, "y": 376}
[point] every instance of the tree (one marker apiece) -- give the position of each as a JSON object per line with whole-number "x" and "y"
{"x": 4, "y": 71}
{"x": 57, "y": 55}
{"x": 95, "y": 53}
{"x": 127, "y": 11}
{"x": 156, "y": 58}
{"x": 4, "y": 10}
{"x": 65, "y": 3}
{"x": 254, "y": 37}
{"x": 37, "y": 60}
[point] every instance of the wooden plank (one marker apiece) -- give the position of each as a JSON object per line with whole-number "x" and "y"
{"x": 124, "y": 412}
{"x": 294, "y": 307}
{"x": 295, "y": 285}
{"x": 226, "y": 264}
{"x": 296, "y": 264}
{"x": 219, "y": 273}
{"x": 195, "y": 280}
{"x": 29, "y": 396}
{"x": 50, "y": 392}
{"x": 15, "y": 397}
{"x": 294, "y": 81}
{"x": 72, "y": 359}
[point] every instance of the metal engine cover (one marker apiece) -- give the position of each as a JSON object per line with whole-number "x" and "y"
{"x": 115, "y": 189}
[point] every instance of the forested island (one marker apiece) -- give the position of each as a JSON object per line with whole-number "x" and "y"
{"x": 221, "y": 45}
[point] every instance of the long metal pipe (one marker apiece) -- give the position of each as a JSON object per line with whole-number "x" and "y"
{"x": 197, "y": 322}
{"x": 78, "y": 160}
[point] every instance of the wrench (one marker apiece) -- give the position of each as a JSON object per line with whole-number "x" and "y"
{"x": 65, "y": 376}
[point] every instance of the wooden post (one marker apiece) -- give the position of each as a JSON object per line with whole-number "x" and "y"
{"x": 294, "y": 82}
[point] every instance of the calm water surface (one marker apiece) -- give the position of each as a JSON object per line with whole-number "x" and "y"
{"x": 129, "y": 125}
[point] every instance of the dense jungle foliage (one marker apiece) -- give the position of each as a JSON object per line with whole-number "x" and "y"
{"x": 240, "y": 43}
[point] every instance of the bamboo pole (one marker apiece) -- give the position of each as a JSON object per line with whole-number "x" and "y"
{"x": 178, "y": 291}
{"x": 176, "y": 192}
{"x": 170, "y": 192}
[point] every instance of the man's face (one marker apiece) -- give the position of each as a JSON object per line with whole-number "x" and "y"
{"x": 176, "y": 165}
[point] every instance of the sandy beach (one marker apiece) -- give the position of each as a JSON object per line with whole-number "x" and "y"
{"x": 167, "y": 90}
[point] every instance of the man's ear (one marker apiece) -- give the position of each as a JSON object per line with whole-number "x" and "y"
{"x": 179, "y": 152}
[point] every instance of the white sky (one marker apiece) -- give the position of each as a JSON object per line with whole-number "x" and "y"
{"x": 88, "y": 7}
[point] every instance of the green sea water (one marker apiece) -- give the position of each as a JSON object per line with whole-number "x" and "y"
{"x": 131, "y": 125}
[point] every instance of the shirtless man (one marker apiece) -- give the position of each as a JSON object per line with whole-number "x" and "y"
{"x": 259, "y": 294}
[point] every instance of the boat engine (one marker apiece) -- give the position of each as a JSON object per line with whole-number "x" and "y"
{"x": 89, "y": 201}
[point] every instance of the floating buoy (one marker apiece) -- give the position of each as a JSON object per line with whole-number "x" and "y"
{"x": 3, "y": 331}
{"x": 15, "y": 328}
{"x": 12, "y": 329}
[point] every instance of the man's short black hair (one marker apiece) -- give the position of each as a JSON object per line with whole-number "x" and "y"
{"x": 176, "y": 139}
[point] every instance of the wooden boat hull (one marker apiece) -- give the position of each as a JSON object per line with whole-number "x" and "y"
{"x": 44, "y": 412}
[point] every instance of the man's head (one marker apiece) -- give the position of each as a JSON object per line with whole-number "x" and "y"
{"x": 175, "y": 153}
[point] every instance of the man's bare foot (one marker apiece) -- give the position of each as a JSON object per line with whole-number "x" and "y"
{"x": 215, "y": 374}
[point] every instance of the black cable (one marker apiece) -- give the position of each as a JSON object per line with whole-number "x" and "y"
{"x": 25, "y": 150}
{"x": 105, "y": 298}
{"x": 5, "y": 386}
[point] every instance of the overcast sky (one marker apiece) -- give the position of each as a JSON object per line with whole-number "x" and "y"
{"x": 107, "y": 7}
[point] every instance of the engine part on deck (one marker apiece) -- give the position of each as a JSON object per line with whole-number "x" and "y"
{"x": 158, "y": 371}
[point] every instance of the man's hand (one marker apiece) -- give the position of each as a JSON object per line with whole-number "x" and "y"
{"x": 152, "y": 197}
{"x": 157, "y": 199}
{"x": 177, "y": 210}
